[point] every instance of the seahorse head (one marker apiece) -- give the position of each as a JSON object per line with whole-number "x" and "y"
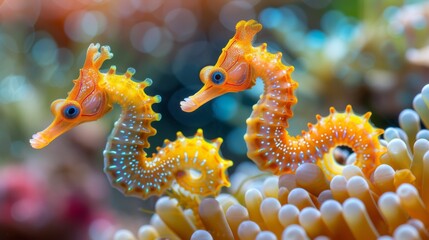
{"x": 85, "y": 102}
{"x": 231, "y": 73}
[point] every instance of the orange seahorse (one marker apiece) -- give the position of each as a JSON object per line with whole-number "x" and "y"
{"x": 269, "y": 144}
{"x": 126, "y": 163}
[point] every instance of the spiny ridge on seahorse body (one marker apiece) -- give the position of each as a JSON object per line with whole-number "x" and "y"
{"x": 126, "y": 163}
{"x": 269, "y": 144}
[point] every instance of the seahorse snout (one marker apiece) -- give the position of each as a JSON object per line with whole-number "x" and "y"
{"x": 38, "y": 141}
{"x": 187, "y": 105}
{"x": 54, "y": 130}
{"x": 205, "y": 94}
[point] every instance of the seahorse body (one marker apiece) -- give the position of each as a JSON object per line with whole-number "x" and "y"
{"x": 193, "y": 163}
{"x": 269, "y": 144}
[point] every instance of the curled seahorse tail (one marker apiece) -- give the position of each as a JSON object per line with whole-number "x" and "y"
{"x": 350, "y": 130}
{"x": 193, "y": 163}
{"x": 200, "y": 168}
{"x": 281, "y": 153}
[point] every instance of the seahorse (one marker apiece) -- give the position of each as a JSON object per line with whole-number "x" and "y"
{"x": 269, "y": 144}
{"x": 192, "y": 163}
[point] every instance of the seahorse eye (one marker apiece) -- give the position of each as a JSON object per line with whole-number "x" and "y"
{"x": 71, "y": 112}
{"x": 218, "y": 77}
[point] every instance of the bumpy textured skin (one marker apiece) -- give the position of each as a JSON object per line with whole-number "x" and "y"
{"x": 126, "y": 163}
{"x": 269, "y": 144}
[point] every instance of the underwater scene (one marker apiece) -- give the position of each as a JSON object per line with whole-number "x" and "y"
{"x": 229, "y": 119}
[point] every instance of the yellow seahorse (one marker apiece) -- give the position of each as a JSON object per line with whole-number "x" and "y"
{"x": 126, "y": 163}
{"x": 269, "y": 144}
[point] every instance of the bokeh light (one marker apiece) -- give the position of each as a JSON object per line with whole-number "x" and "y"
{"x": 44, "y": 51}
{"x": 175, "y": 21}
{"x": 14, "y": 88}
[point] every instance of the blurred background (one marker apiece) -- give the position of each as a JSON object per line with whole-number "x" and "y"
{"x": 371, "y": 54}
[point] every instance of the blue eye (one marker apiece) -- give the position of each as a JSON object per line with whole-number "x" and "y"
{"x": 218, "y": 77}
{"x": 71, "y": 112}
